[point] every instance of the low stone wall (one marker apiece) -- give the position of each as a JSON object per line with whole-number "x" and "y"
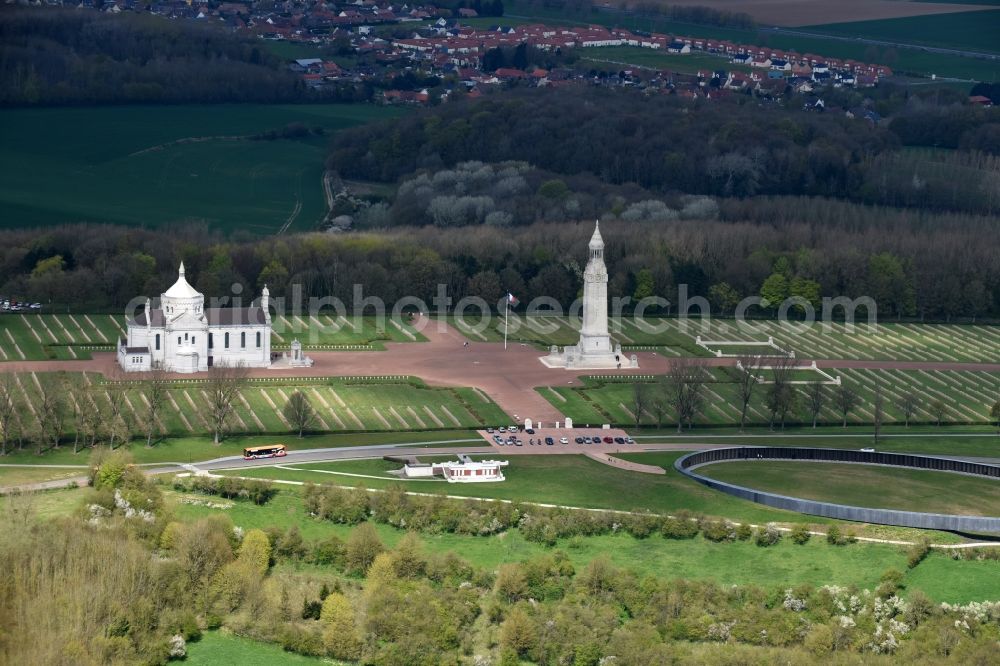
{"x": 936, "y": 521}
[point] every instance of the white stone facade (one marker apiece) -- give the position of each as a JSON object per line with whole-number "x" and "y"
{"x": 182, "y": 335}
{"x": 595, "y": 349}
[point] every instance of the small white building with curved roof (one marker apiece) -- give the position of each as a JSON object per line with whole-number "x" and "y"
{"x": 182, "y": 335}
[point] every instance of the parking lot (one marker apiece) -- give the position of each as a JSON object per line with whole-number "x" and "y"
{"x": 564, "y": 440}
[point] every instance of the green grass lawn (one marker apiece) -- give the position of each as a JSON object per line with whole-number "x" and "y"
{"x": 864, "y": 485}
{"x": 816, "y": 563}
{"x": 216, "y": 647}
{"x": 558, "y": 479}
{"x": 727, "y": 563}
{"x": 66, "y": 336}
{"x": 195, "y": 449}
{"x": 131, "y": 166}
{"x": 967, "y": 31}
{"x": 690, "y": 63}
{"x": 10, "y": 476}
{"x": 965, "y": 396}
{"x": 341, "y": 405}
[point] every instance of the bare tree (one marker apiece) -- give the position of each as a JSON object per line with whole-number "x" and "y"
{"x": 51, "y": 415}
{"x": 115, "y": 422}
{"x": 995, "y": 415}
{"x": 908, "y": 403}
{"x": 224, "y": 385}
{"x": 299, "y": 412}
{"x": 638, "y": 401}
{"x": 938, "y": 410}
{"x": 659, "y": 402}
{"x": 154, "y": 394}
{"x": 878, "y": 409}
{"x": 685, "y": 384}
{"x": 815, "y": 400}
{"x": 747, "y": 380}
{"x": 846, "y": 399}
{"x": 781, "y": 395}
{"x": 9, "y": 399}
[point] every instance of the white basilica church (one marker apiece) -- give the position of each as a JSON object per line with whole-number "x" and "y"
{"x": 182, "y": 335}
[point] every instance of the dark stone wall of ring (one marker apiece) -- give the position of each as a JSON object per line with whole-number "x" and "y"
{"x": 935, "y": 521}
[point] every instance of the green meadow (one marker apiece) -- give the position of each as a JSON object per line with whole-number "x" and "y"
{"x": 967, "y": 31}
{"x": 163, "y": 165}
{"x": 869, "y": 486}
{"x": 816, "y": 563}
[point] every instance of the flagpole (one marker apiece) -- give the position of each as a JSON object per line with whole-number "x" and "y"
{"x": 506, "y": 318}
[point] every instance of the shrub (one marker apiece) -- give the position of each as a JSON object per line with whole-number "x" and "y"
{"x": 362, "y": 547}
{"x": 717, "y": 530}
{"x": 834, "y": 536}
{"x": 744, "y": 532}
{"x": 680, "y": 526}
{"x": 916, "y": 553}
{"x": 800, "y": 534}
{"x": 329, "y": 551}
{"x": 340, "y": 633}
{"x": 769, "y": 536}
{"x": 641, "y": 525}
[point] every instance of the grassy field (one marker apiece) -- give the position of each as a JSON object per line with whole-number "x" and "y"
{"x": 161, "y": 165}
{"x": 884, "y": 341}
{"x": 691, "y": 63}
{"x": 968, "y": 31}
{"x": 966, "y": 397}
{"x": 573, "y": 481}
{"x": 341, "y": 404}
{"x": 197, "y": 449}
{"x": 41, "y": 337}
{"x": 728, "y": 563}
{"x": 216, "y": 647}
{"x": 869, "y": 486}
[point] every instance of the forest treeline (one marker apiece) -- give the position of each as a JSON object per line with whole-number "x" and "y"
{"x": 733, "y": 147}
{"x": 348, "y": 596}
{"x": 914, "y": 264}
{"x": 64, "y": 56}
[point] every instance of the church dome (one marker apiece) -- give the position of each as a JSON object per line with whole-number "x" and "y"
{"x": 181, "y": 288}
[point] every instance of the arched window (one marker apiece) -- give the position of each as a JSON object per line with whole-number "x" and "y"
{"x": 157, "y": 342}
{"x": 226, "y": 341}
{"x": 258, "y": 339}
{"x": 243, "y": 340}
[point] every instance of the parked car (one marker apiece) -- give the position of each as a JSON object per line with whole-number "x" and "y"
{"x": 868, "y": 450}
{"x": 629, "y": 440}
{"x": 580, "y": 440}
{"x": 518, "y": 442}
{"x": 490, "y": 430}
{"x": 608, "y": 440}
{"x": 530, "y": 431}
{"x": 619, "y": 440}
{"x": 595, "y": 440}
{"x": 501, "y": 429}
{"x": 564, "y": 440}
{"x": 549, "y": 441}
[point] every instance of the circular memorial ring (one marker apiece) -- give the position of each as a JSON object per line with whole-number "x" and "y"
{"x": 932, "y": 521}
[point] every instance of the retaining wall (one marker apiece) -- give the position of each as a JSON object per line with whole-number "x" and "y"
{"x": 936, "y": 521}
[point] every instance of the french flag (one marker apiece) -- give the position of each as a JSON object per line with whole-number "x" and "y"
{"x": 511, "y": 300}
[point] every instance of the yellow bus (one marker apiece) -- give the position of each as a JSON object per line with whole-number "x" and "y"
{"x": 269, "y": 451}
